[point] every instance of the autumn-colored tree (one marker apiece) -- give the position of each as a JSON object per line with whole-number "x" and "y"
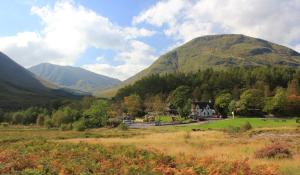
{"x": 133, "y": 105}
{"x": 115, "y": 110}
{"x": 293, "y": 87}
{"x": 154, "y": 104}
{"x": 293, "y": 105}
{"x": 264, "y": 87}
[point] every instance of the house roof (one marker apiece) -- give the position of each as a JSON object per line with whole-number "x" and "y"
{"x": 202, "y": 104}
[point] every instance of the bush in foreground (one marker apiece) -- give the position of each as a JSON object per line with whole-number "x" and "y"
{"x": 123, "y": 126}
{"x": 79, "y": 125}
{"x": 276, "y": 151}
{"x": 243, "y": 128}
{"x": 246, "y": 127}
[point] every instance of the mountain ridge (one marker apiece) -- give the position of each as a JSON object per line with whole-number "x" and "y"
{"x": 217, "y": 52}
{"x": 73, "y": 77}
{"x": 20, "y": 88}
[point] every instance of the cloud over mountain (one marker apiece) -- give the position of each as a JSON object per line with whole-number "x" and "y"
{"x": 68, "y": 30}
{"x": 183, "y": 20}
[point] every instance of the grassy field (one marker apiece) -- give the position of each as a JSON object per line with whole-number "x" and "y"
{"x": 238, "y": 122}
{"x": 155, "y": 150}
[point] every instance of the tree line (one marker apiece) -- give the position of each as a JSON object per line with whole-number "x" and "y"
{"x": 89, "y": 112}
{"x": 246, "y": 91}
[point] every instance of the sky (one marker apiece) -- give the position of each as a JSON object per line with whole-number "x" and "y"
{"x": 119, "y": 38}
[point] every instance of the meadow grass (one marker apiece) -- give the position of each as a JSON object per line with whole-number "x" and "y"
{"x": 217, "y": 144}
{"x": 238, "y": 122}
{"x": 147, "y": 151}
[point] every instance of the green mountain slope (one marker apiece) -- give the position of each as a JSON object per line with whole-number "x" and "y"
{"x": 218, "y": 52}
{"x": 73, "y": 77}
{"x": 20, "y": 88}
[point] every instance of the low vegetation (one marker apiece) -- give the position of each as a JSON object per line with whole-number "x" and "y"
{"x": 138, "y": 151}
{"x": 44, "y": 157}
{"x": 276, "y": 151}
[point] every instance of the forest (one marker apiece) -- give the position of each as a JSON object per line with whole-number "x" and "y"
{"x": 246, "y": 91}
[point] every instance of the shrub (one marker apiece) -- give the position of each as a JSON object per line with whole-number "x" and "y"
{"x": 123, "y": 126}
{"x": 48, "y": 122}
{"x": 298, "y": 120}
{"x": 247, "y": 126}
{"x": 79, "y": 125}
{"x": 66, "y": 127}
{"x": 18, "y": 118}
{"x": 64, "y": 116}
{"x": 4, "y": 125}
{"x": 114, "y": 122}
{"x": 40, "y": 120}
{"x": 233, "y": 130}
{"x": 277, "y": 151}
{"x": 150, "y": 118}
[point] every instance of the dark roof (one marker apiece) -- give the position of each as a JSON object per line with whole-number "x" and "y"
{"x": 202, "y": 104}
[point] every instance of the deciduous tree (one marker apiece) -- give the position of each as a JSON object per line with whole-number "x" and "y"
{"x": 251, "y": 102}
{"x": 133, "y": 105}
{"x": 277, "y": 104}
{"x": 96, "y": 115}
{"x": 222, "y": 102}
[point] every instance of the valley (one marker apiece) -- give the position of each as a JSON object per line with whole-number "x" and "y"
{"x": 217, "y": 105}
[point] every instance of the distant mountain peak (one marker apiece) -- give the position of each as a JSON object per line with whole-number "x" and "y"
{"x": 74, "y": 77}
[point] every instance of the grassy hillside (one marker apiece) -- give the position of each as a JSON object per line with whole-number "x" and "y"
{"x": 74, "y": 77}
{"x": 20, "y": 88}
{"x": 218, "y": 52}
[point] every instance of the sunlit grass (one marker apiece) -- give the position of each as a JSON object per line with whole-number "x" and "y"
{"x": 238, "y": 122}
{"x": 183, "y": 142}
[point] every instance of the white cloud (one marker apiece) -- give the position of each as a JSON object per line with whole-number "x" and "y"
{"x": 136, "y": 57}
{"x": 162, "y": 12}
{"x": 297, "y": 48}
{"x": 68, "y": 30}
{"x": 29, "y": 48}
{"x": 274, "y": 20}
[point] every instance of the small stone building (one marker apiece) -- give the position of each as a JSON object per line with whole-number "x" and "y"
{"x": 201, "y": 110}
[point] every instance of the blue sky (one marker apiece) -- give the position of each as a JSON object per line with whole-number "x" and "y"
{"x": 122, "y": 37}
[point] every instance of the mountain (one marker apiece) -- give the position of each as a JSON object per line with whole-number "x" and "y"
{"x": 218, "y": 52}
{"x": 21, "y": 88}
{"x": 73, "y": 77}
